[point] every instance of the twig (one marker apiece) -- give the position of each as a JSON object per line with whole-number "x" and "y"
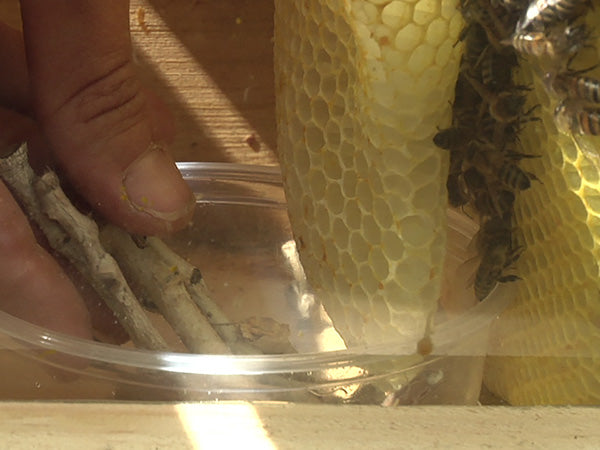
{"x": 159, "y": 279}
{"x": 75, "y": 236}
{"x": 199, "y": 294}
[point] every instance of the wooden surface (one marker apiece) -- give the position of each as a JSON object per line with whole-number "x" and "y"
{"x": 212, "y": 63}
{"x": 288, "y": 426}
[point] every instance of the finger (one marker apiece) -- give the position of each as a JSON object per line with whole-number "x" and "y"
{"x": 14, "y": 128}
{"x": 13, "y": 76}
{"x": 97, "y": 117}
{"x": 32, "y": 285}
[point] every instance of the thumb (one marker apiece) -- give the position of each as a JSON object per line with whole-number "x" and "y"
{"x": 96, "y": 116}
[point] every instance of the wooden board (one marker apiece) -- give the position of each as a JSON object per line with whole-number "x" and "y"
{"x": 212, "y": 63}
{"x": 288, "y": 426}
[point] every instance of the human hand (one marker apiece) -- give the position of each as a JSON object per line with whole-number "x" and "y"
{"x": 71, "y": 89}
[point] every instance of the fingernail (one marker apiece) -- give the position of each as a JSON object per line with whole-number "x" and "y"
{"x": 152, "y": 184}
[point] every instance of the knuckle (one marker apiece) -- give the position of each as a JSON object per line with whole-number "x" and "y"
{"x": 109, "y": 104}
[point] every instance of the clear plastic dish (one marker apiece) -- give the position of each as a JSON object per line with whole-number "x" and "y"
{"x": 241, "y": 240}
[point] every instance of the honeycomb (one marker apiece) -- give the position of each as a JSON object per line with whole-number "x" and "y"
{"x": 547, "y": 344}
{"x": 361, "y": 88}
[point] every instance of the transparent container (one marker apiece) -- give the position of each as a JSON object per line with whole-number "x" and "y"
{"x": 241, "y": 240}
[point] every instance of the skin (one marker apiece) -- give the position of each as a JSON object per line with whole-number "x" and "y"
{"x": 69, "y": 87}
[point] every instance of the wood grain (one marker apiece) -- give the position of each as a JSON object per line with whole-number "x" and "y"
{"x": 291, "y": 426}
{"x": 212, "y": 64}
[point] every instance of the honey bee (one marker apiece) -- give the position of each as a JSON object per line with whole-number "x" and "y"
{"x": 457, "y": 190}
{"x": 542, "y": 13}
{"x": 488, "y": 199}
{"x": 495, "y": 28}
{"x": 573, "y": 86}
{"x": 572, "y": 118}
{"x": 457, "y": 194}
{"x": 498, "y": 253}
{"x": 559, "y": 43}
{"x": 504, "y": 107}
{"x": 495, "y": 204}
{"x": 449, "y": 138}
{"x": 490, "y": 272}
{"x": 510, "y": 5}
{"x": 496, "y": 69}
{"x": 515, "y": 178}
{"x": 476, "y": 44}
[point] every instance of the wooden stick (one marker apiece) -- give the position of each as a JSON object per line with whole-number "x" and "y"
{"x": 75, "y": 236}
{"x": 158, "y": 278}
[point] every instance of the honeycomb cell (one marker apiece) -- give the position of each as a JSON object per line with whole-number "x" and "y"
{"x": 359, "y": 246}
{"x": 349, "y": 182}
{"x": 306, "y": 52}
{"x": 369, "y": 283}
{"x": 329, "y": 40}
{"x": 303, "y": 107}
{"x": 381, "y": 311}
{"x": 589, "y": 172}
{"x": 349, "y": 268}
{"x": 455, "y": 26}
{"x": 424, "y": 198}
{"x": 431, "y": 77}
{"x": 379, "y": 263}
{"x": 425, "y": 11}
{"x": 448, "y": 8}
{"x": 312, "y": 82}
{"x": 392, "y": 245}
{"x": 570, "y": 152}
{"x": 376, "y": 182}
{"x": 319, "y": 112}
{"x": 364, "y": 194}
{"x": 317, "y": 183}
{"x": 333, "y": 137}
{"x": 384, "y": 36}
{"x": 444, "y": 54}
{"x": 331, "y": 254}
{"x": 397, "y": 162}
{"x": 422, "y": 57}
{"x": 366, "y": 12}
{"x": 382, "y": 214}
{"x": 412, "y": 273}
{"x": 437, "y": 32}
{"x": 404, "y": 79}
{"x": 324, "y": 64}
{"x": 416, "y": 230}
{"x": 576, "y": 206}
{"x": 408, "y": 38}
{"x": 334, "y": 198}
{"x": 323, "y": 220}
{"x": 371, "y": 229}
{"x": 591, "y": 197}
{"x": 394, "y": 59}
{"x": 314, "y": 138}
{"x": 397, "y": 183}
{"x": 396, "y": 14}
{"x": 328, "y": 87}
{"x": 353, "y": 214}
{"x": 341, "y": 233}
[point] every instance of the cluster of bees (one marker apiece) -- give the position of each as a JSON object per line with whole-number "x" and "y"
{"x": 489, "y": 111}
